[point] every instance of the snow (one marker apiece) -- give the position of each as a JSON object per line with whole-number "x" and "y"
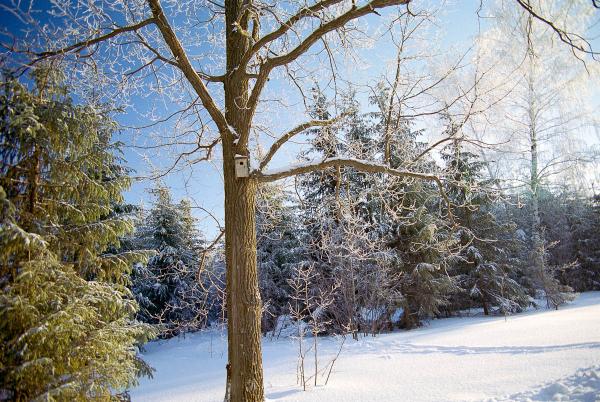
{"x": 299, "y": 165}
{"x": 542, "y": 355}
{"x": 234, "y": 132}
{"x": 286, "y": 328}
{"x": 584, "y": 385}
{"x": 287, "y": 168}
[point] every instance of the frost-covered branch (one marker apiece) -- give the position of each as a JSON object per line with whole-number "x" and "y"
{"x": 287, "y": 136}
{"x": 327, "y": 27}
{"x": 186, "y": 67}
{"x": 574, "y": 40}
{"x": 79, "y": 46}
{"x": 285, "y": 27}
{"x": 361, "y": 165}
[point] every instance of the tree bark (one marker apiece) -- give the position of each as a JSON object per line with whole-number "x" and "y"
{"x": 245, "y": 374}
{"x": 243, "y": 298}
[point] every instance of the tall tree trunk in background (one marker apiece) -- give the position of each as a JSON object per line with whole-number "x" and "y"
{"x": 245, "y": 374}
{"x": 534, "y": 181}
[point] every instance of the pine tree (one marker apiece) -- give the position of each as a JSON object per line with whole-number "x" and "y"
{"x": 340, "y": 216}
{"x": 545, "y": 248}
{"x": 66, "y": 315}
{"x": 422, "y": 243}
{"x": 321, "y": 204}
{"x": 571, "y": 221}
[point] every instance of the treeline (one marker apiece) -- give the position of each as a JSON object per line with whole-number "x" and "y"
{"x": 367, "y": 252}
{"x": 87, "y": 279}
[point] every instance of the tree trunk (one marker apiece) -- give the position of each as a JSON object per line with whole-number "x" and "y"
{"x": 245, "y": 374}
{"x": 244, "y": 305}
{"x": 536, "y": 229}
{"x": 407, "y": 321}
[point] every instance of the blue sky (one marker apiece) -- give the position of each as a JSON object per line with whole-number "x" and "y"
{"x": 456, "y": 26}
{"x": 203, "y": 184}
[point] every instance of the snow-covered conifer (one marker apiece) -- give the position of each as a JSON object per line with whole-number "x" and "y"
{"x": 66, "y": 316}
{"x": 168, "y": 287}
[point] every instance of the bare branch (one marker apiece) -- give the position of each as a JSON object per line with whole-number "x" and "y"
{"x": 569, "y": 38}
{"x": 211, "y": 78}
{"x": 79, "y": 46}
{"x": 285, "y": 27}
{"x": 210, "y": 247}
{"x": 266, "y": 68}
{"x": 296, "y": 130}
{"x": 352, "y": 14}
{"x": 362, "y": 165}
{"x": 186, "y": 67}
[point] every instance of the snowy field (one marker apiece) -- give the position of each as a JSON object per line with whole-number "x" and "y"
{"x": 542, "y": 355}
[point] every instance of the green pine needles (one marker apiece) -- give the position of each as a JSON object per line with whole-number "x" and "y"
{"x": 67, "y": 330}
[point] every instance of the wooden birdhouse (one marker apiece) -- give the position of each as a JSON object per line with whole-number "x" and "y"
{"x": 242, "y": 166}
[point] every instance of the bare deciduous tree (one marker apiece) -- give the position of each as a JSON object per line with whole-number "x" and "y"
{"x": 149, "y": 47}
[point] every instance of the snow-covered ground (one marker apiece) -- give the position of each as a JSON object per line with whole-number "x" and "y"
{"x": 542, "y": 355}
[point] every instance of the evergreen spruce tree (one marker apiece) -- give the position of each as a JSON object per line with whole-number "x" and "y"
{"x": 571, "y": 221}
{"x": 321, "y": 204}
{"x": 168, "y": 287}
{"x": 547, "y": 248}
{"x": 421, "y": 243}
{"x": 278, "y": 251}
{"x": 585, "y": 224}
{"x": 484, "y": 269}
{"x": 66, "y": 316}
{"x": 418, "y": 237}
